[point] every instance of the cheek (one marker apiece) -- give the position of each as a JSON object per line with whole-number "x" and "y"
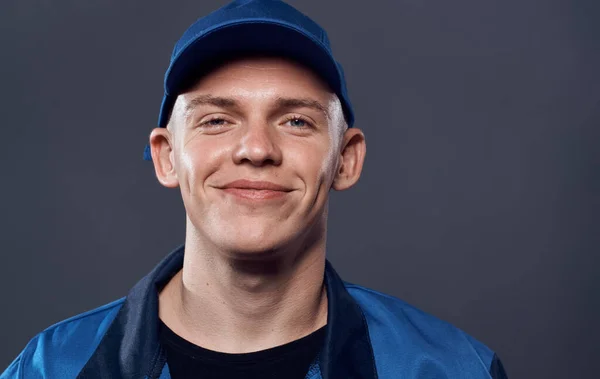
{"x": 198, "y": 159}
{"x": 187, "y": 169}
{"x": 329, "y": 164}
{"x": 315, "y": 164}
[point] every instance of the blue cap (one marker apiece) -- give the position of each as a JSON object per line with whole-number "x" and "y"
{"x": 251, "y": 27}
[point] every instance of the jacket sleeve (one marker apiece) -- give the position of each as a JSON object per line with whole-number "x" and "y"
{"x": 497, "y": 369}
{"x": 13, "y": 370}
{"x": 26, "y": 365}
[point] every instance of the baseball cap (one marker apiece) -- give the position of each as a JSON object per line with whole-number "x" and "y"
{"x": 250, "y": 27}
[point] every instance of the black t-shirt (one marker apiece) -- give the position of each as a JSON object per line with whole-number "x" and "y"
{"x": 289, "y": 361}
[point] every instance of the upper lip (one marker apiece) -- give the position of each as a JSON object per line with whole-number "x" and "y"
{"x": 256, "y": 185}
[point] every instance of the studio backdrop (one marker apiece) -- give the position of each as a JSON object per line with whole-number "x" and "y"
{"x": 479, "y": 201}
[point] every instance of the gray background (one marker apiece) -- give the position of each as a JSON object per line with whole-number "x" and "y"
{"x": 479, "y": 201}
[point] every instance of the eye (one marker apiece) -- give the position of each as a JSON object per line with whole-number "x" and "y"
{"x": 214, "y": 122}
{"x": 298, "y": 122}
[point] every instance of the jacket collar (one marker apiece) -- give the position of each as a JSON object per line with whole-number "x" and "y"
{"x": 131, "y": 349}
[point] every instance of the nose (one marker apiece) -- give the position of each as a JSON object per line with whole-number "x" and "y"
{"x": 258, "y": 146}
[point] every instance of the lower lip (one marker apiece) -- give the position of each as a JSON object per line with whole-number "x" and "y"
{"x": 253, "y": 194}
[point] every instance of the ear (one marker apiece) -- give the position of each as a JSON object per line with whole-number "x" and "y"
{"x": 161, "y": 147}
{"x": 354, "y": 148}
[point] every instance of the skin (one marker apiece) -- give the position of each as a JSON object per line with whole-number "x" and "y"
{"x": 254, "y": 260}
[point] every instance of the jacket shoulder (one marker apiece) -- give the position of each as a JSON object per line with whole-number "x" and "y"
{"x": 409, "y": 342}
{"x": 61, "y": 350}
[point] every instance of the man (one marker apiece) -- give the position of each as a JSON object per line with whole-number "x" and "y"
{"x": 255, "y": 129}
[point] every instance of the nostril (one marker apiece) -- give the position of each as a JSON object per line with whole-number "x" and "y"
{"x": 259, "y": 162}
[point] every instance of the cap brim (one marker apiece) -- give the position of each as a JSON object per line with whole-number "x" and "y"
{"x": 258, "y": 36}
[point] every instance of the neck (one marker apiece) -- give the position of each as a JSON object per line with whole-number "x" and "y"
{"x": 238, "y": 306}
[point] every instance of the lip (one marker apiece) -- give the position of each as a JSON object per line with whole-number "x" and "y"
{"x": 256, "y": 185}
{"x": 255, "y": 190}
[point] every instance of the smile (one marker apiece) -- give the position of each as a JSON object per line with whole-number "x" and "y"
{"x": 255, "y": 194}
{"x": 256, "y": 190}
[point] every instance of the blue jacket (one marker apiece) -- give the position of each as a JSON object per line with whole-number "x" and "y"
{"x": 369, "y": 335}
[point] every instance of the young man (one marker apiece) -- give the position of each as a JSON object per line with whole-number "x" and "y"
{"x": 255, "y": 129}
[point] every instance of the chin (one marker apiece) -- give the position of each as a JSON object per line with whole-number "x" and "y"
{"x": 248, "y": 237}
{"x": 251, "y": 249}
{"x": 254, "y": 241}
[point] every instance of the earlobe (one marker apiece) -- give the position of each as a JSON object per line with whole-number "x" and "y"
{"x": 353, "y": 153}
{"x": 162, "y": 157}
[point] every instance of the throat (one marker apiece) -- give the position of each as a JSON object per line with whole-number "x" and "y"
{"x": 231, "y": 312}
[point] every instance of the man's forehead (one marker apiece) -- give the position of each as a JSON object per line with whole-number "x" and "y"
{"x": 283, "y": 82}
{"x": 191, "y": 101}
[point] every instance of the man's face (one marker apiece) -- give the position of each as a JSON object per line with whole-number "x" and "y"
{"x": 255, "y": 147}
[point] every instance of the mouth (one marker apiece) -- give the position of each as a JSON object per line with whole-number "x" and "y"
{"x": 256, "y": 190}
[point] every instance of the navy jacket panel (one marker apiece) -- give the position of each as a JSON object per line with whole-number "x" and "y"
{"x": 130, "y": 347}
{"x": 409, "y": 343}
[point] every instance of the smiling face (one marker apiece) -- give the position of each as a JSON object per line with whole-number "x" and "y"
{"x": 255, "y": 148}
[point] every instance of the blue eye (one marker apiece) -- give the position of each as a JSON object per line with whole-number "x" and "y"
{"x": 214, "y": 122}
{"x": 297, "y": 122}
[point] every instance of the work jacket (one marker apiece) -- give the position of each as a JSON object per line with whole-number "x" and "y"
{"x": 369, "y": 335}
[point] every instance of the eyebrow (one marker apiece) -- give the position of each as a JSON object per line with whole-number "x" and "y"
{"x": 222, "y": 102}
{"x": 281, "y": 102}
{"x": 285, "y": 102}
